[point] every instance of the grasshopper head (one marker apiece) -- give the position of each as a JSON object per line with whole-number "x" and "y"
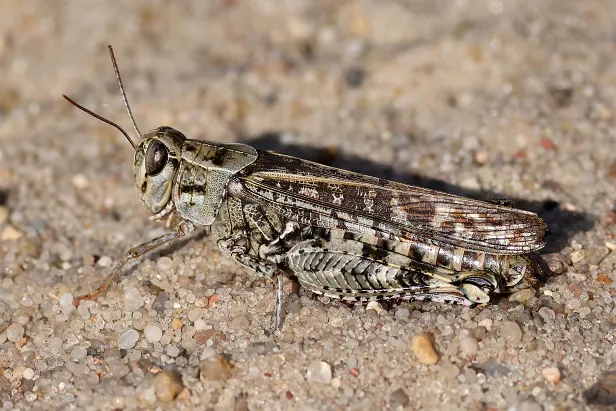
{"x": 157, "y": 159}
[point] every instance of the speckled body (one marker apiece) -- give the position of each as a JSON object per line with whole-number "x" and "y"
{"x": 342, "y": 234}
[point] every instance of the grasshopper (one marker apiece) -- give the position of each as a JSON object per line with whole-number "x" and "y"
{"x": 341, "y": 234}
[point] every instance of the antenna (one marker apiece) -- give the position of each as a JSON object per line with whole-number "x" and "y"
{"x": 101, "y": 118}
{"x": 128, "y": 110}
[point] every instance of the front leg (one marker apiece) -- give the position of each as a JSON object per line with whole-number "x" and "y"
{"x": 183, "y": 229}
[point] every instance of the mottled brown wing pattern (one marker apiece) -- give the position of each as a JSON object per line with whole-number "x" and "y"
{"x": 328, "y": 197}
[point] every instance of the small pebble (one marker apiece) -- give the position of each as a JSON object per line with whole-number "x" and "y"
{"x": 208, "y": 352}
{"x": 424, "y": 349}
{"x": 167, "y": 385}
{"x": 133, "y": 300}
{"x": 173, "y": 351}
{"x": 469, "y": 346}
{"x": 354, "y": 372}
{"x": 78, "y": 353}
{"x": 547, "y": 315}
{"x": 14, "y": 332}
{"x": 552, "y": 374}
{"x": 80, "y": 181}
{"x": 28, "y": 373}
{"x": 112, "y": 352}
{"x": 398, "y": 398}
{"x": 117, "y": 368}
{"x": 402, "y": 313}
{"x": 578, "y": 256}
{"x": 177, "y": 324}
{"x": 195, "y": 314}
{"x": 374, "y": 305}
{"x": 164, "y": 263}
{"x": 522, "y": 296}
{"x": 128, "y": 339}
{"x": 603, "y": 279}
{"x": 152, "y": 333}
{"x": 511, "y": 332}
{"x": 104, "y": 261}
{"x": 449, "y": 371}
{"x": 215, "y": 368}
{"x": 66, "y": 299}
{"x": 319, "y": 372}
{"x": 200, "y": 325}
{"x": 10, "y": 234}
{"x": 26, "y": 301}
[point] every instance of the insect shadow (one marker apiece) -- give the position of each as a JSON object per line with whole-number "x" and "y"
{"x": 562, "y": 224}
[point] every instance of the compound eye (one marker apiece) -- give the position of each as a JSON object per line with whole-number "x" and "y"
{"x": 155, "y": 158}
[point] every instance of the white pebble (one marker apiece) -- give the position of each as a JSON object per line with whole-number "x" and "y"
{"x": 173, "y": 351}
{"x": 14, "y": 332}
{"x": 374, "y": 305}
{"x": 28, "y": 373}
{"x": 200, "y": 325}
{"x": 26, "y": 301}
{"x": 195, "y": 314}
{"x": 319, "y": 372}
{"x": 104, "y": 261}
{"x": 164, "y": 263}
{"x": 80, "y": 181}
{"x": 152, "y": 333}
{"x": 207, "y": 352}
{"x": 511, "y": 332}
{"x": 128, "y": 339}
{"x": 402, "y": 313}
{"x": 78, "y": 353}
{"x": 133, "y": 300}
{"x": 469, "y": 345}
{"x": 547, "y": 314}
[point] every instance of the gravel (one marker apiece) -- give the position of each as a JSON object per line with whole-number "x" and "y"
{"x": 488, "y": 99}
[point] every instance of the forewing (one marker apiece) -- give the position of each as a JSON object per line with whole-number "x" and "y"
{"x": 311, "y": 193}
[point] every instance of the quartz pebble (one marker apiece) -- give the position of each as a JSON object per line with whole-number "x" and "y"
{"x": 511, "y": 332}
{"x": 128, "y": 339}
{"x": 167, "y": 385}
{"x": 552, "y": 374}
{"x": 133, "y": 300}
{"x": 28, "y": 373}
{"x": 215, "y": 368}
{"x": 547, "y": 315}
{"x": 424, "y": 349}
{"x": 207, "y": 352}
{"x": 164, "y": 263}
{"x": 319, "y": 372}
{"x": 469, "y": 346}
{"x": 173, "y": 351}
{"x": 66, "y": 300}
{"x": 402, "y": 313}
{"x": 78, "y": 353}
{"x": 14, "y": 332}
{"x": 200, "y": 325}
{"x": 152, "y": 333}
{"x": 104, "y": 261}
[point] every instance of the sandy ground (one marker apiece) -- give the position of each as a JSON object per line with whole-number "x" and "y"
{"x": 484, "y": 98}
